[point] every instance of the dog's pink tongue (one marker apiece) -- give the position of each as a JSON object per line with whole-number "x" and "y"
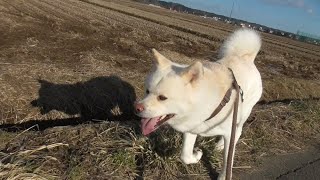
{"x": 148, "y": 125}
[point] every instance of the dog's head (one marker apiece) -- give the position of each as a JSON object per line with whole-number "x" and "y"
{"x": 170, "y": 92}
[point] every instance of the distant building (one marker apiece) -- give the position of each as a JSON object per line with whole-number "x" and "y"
{"x": 215, "y": 18}
{"x": 308, "y": 35}
{"x": 261, "y": 29}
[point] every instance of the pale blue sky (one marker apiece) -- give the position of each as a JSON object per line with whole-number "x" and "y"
{"x": 288, "y": 15}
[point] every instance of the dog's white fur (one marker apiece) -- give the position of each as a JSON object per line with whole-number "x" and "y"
{"x": 194, "y": 91}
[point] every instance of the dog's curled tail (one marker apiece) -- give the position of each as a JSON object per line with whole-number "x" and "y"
{"x": 243, "y": 43}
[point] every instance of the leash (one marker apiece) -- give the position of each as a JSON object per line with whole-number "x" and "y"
{"x": 233, "y": 133}
{"x": 224, "y": 101}
{"x": 227, "y": 96}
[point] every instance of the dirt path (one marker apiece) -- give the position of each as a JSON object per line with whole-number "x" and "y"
{"x": 298, "y": 166}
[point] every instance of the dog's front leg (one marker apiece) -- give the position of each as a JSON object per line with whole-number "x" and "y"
{"x": 188, "y": 156}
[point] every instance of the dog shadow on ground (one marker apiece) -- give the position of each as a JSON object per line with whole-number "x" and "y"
{"x": 101, "y": 98}
{"x": 213, "y": 174}
{"x": 106, "y": 98}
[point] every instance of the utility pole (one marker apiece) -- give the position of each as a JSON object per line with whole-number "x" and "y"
{"x": 231, "y": 11}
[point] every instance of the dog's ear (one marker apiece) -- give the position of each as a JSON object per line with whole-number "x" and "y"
{"x": 44, "y": 82}
{"x": 160, "y": 60}
{"x": 193, "y": 72}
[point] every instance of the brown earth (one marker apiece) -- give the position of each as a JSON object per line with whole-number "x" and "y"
{"x": 68, "y": 62}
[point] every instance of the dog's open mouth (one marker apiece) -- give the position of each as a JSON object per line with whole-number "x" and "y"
{"x": 148, "y": 125}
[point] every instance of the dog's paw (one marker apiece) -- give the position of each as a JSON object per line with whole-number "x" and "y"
{"x": 220, "y": 145}
{"x": 194, "y": 158}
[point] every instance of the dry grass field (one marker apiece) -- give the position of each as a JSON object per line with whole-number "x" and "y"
{"x": 70, "y": 71}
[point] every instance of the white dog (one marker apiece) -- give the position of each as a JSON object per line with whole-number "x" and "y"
{"x": 185, "y": 96}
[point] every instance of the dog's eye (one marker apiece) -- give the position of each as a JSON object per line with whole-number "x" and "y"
{"x": 147, "y": 91}
{"x": 162, "y": 98}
